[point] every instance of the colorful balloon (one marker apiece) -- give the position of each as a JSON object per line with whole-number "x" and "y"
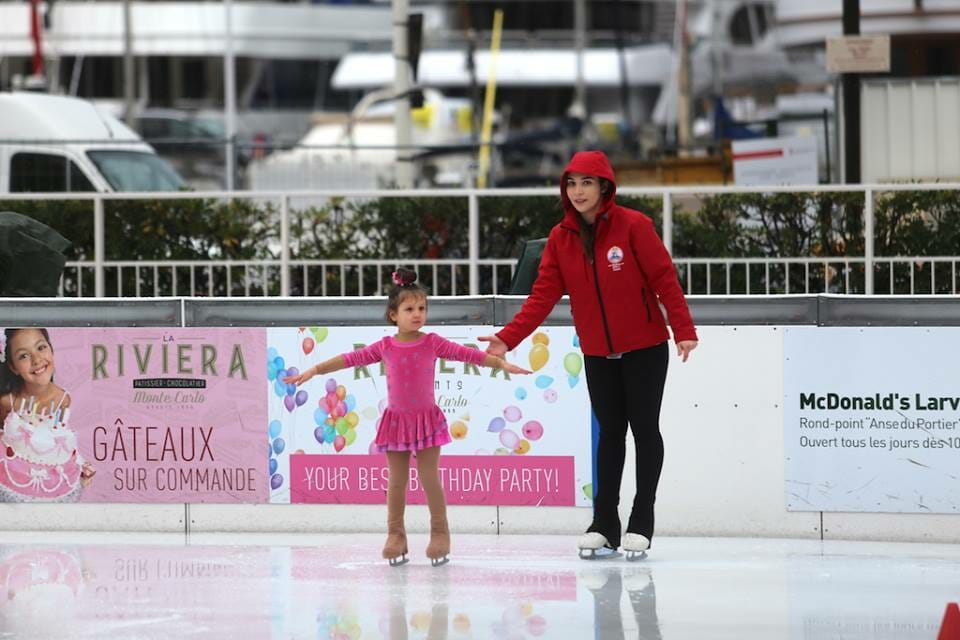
{"x": 307, "y": 345}
{"x": 532, "y": 430}
{"x": 289, "y": 403}
{"x": 278, "y": 361}
{"x": 458, "y": 430}
{"x": 539, "y": 355}
{"x": 588, "y": 490}
{"x": 573, "y": 363}
{"x": 352, "y": 419}
{"x": 301, "y": 397}
{"x": 512, "y": 413}
{"x": 318, "y": 435}
{"x": 522, "y": 447}
{"x": 350, "y": 436}
{"x": 292, "y": 371}
{"x": 496, "y": 425}
{"x": 351, "y": 402}
{"x": 540, "y": 338}
{"x": 319, "y": 415}
{"x": 341, "y": 392}
{"x": 272, "y": 354}
{"x": 320, "y": 333}
{"x": 543, "y": 382}
{"x": 273, "y": 466}
{"x": 331, "y": 385}
{"x": 329, "y": 433}
{"x": 339, "y": 443}
{"x": 291, "y": 389}
{"x": 509, "y": 439}
{"x": 274, "y": 428}
{"x": 341, "y": 425}
{"x": 550, "y": 396}
{"x": 572, "y": 381}
{"x": 276, "y": 481}
{"x": 520, "y": 393}
{"x": 278, "y": 445}
{"x": 576, "y": 341}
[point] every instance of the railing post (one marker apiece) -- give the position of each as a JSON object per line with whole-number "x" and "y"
{"x": 668, "y": 221}
{"x": 868, "y": 241}
{"x": 99, "y": 242}
{"x": 284, "y": 246}
{"x": 473, "y": 235}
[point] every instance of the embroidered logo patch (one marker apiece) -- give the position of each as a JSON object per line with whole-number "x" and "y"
{"x": 615, "y": 257}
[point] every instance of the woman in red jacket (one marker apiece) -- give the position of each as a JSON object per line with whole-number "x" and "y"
{"x": 617, "y": 272}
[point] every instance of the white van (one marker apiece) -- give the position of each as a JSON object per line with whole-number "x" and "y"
{"x": 56, "y": 144}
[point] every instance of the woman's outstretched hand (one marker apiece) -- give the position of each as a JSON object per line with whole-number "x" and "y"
{"x": 301, "y": 378}
{"x": 497, "y": 346}
{"x": 684, "y": 347}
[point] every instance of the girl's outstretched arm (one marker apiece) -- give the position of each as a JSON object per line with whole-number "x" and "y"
{"x": 327, "y": 366}
{"x": 496, "y": 362}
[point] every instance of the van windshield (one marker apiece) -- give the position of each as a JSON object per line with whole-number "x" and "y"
{"x": 136, "y": 171}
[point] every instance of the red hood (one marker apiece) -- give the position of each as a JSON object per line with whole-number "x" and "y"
{"x": 591, "y": 163}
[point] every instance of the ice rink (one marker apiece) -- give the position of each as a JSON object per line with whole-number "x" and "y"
{"x": 100, "y": 585}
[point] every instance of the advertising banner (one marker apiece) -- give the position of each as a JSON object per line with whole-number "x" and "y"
{"x": 872, "y": 419}
{"x": 133, "y": 415}
{"x": 517, "y": 440}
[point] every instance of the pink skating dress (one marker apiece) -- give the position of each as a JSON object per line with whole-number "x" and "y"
{"x": 412, "y": 420}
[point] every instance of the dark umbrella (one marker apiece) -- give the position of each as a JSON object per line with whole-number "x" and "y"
{"x": 31, "y": 257}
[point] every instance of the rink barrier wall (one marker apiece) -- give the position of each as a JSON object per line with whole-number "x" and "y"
{"x": 726, "y": 481}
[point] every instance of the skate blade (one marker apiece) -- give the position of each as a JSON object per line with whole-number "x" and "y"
{"x": 398, "y": 560}
{"x": 604, "y": 553}
{"x": 439, "y": 562}
{"x": 635, "y": 556}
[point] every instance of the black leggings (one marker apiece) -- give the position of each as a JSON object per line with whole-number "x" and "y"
{"x": 628, "y": 389}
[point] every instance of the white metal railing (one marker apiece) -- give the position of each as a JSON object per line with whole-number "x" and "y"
{"x": 474, "y": 275}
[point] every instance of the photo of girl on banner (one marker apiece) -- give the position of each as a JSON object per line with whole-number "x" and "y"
{"x": 40, "y": 461}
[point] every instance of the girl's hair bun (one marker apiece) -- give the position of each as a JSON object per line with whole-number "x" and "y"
{"x": 404, "y": 277}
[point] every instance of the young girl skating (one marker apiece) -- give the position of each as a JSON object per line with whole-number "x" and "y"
{"x": 412, "y": 421}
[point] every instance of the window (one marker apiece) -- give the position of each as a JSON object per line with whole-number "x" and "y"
{"x": 136, "y": 171}
{"x": 46, "y": 173}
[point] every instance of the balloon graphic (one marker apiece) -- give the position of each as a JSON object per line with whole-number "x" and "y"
{"x": 539, "y": 355}
{"x": 522, "y": 447}
{"x": 532, "y": 430}
{"x": 272, "y": 354}
{"x": 273, "y": 466}
{"x": 318, "y": 434}
{"x": 319, "y": 415}
{"x": 588, "y": 490}
{"x": 500, "y": 451}
{"x": 301, "y": 397}
{"x": 351, "y": 402}
{"x": 520, "y": 393}
{"x": 331, "y": 385}
{"x": 350, "y": 436}
{"x": 329, "y": 433}
{"x": 509, "y": 439}
{"x": 458, "y": 430}
{"x": 271, "y": 373}
{"x": 274, "y": 428}
{"x": 341, "y": 392}
{"x": 540, "y": 338}
{"x": 352, "y": 419}
{"x": 320, "y": 333}
{"x": 279, "y": 388}
{"x": 576, "y": 341}
{"x": 572, "y": 363}
{"x": 291, "y": 389}
{"x": 293, "y": 371}
{"x": 339, "y": 443}
{"x": 276, "y": 481}
{"x": 289, "y": 403}
{"x": 341, "y": 425}
{"x": 512, "y": 413}
{"x": 550, "y": 395}
{"x": 308, "y": 344}
{"x": 278, "y": 361}
{"x": 278, "y": 445}
{"x": 543, "y": 382}
{"x": 572, "y": 381}
{"x": 496, "y": 425}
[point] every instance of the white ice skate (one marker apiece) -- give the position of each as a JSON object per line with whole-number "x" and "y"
{"x": 594, "y": 546}
{"x": 636, "y": 546}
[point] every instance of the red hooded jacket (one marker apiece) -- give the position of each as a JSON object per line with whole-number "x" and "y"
{"x": 614, "y": 298}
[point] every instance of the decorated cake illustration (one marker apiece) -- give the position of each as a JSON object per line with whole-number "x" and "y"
{"x": 40, "y": 461}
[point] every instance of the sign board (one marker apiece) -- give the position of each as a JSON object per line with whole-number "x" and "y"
{"x": 775, "y": 161}
{"x": 858, "y": 54}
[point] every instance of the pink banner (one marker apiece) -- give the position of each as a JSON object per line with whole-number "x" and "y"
{"x": 135, "y": 415}
{"x": 467, "y": 480}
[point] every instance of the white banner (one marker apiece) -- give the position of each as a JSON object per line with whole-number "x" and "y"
{"x": 872, "y": 419}
{"x": 489, "y": 413}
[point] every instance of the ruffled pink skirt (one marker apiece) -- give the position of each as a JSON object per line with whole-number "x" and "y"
{"x": 412, "y": 431}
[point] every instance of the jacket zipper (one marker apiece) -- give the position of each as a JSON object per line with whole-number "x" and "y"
{"x": 643, "y": 293}
{"x": 596, "y": 281}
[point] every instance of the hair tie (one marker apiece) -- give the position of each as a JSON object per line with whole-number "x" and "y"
{"x": 397, "y": 280}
